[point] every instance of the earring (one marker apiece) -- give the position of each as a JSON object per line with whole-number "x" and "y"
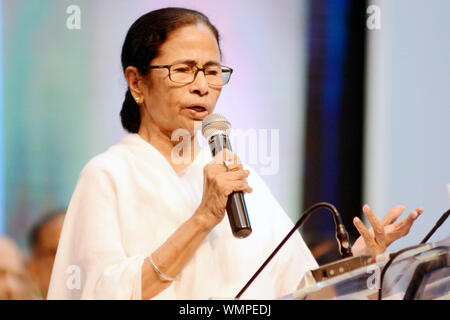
{"x": 138, "y": 100}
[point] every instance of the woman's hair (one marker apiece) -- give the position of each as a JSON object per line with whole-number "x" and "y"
{"x": 141, "y": 46}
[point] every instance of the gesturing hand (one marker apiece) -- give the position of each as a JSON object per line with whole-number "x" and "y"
{"x": 382, "y": 234}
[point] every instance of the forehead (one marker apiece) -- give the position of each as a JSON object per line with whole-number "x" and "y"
{"x": 194, "y": 42}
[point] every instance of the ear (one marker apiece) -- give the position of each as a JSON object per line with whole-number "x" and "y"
{"x": 135, "y": 82}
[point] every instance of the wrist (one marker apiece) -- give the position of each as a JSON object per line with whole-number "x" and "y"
{"x": 202, "y": 219}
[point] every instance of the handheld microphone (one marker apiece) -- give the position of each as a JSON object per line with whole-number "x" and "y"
{"x": 215, "y": 128}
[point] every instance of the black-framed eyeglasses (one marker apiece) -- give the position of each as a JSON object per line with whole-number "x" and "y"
{"x": 183, "y": 73}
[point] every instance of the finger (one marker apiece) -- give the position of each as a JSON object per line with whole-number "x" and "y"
{"x": 392, "y": 215}
{"x": 367, "y": 236}
{"x": 402, "y": 227}
{"x": 412, "y": 217}
{"x": 237, "y": 175}
{"x": 240, "y": 185}
{"x": 214, "y": 168}
{"x": 234, "y": 167}
{"x": 229, "y": 156}
{"x": 378, "y": 228}
{"x": 222, "y": 156}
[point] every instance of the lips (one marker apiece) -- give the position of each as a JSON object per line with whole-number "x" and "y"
{"x": 198, "y": 112}
{"x": 197, "y": 108}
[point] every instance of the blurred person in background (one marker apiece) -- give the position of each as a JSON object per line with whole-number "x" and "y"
{"x": 43, "y": 242}
{"x": 15, "y": 282}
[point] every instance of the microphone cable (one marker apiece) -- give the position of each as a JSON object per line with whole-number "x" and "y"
{"x": 341, "y": 237}
{"x": 390, "y": 261}
{"x": 436, "y": 226}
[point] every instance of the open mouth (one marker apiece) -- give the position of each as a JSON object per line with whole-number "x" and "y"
{"x": 197, "y": 108}
{"x": 198, "y": 112}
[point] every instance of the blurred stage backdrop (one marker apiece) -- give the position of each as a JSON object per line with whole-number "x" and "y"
{"x": 362, "y": 113}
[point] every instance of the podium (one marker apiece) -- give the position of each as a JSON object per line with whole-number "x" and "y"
{"x": 422, "y": 273}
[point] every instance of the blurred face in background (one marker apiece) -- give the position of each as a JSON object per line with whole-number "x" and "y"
{"x": 43, "y": 253}
{"x": 14, "y": 279}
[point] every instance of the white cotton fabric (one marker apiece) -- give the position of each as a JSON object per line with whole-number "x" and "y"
{"x": 129, "y": 200}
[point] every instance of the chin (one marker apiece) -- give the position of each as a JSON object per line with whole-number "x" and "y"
{"x": 193, "y": 125}
{"x": 185, "y": 129}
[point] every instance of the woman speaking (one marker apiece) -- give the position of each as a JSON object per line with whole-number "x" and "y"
{"x": 142, "y": 225}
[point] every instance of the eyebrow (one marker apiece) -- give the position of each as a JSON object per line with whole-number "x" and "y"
{"x": 194, "y": 63}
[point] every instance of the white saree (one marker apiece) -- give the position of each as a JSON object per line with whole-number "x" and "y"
{"x": 129, "y": 200}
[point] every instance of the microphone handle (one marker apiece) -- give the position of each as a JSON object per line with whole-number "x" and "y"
{"x": 238, "y": 216}
{"x": 236, "y": 208}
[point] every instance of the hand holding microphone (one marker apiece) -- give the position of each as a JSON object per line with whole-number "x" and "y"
{"x": 225, "y": 180}
{"x": 220, "y": 182}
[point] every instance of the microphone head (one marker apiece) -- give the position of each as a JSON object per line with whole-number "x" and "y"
{"x": 215, "y": 124}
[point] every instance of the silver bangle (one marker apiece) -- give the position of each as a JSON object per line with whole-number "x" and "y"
{"x": 162, "y": 275}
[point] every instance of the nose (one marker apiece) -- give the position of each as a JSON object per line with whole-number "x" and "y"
{"x": 200, "y": 85}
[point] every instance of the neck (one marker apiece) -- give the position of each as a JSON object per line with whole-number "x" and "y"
{"x": 180, "y": 154}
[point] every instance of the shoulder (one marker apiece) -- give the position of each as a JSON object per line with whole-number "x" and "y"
{"x": 109, "y": 162}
